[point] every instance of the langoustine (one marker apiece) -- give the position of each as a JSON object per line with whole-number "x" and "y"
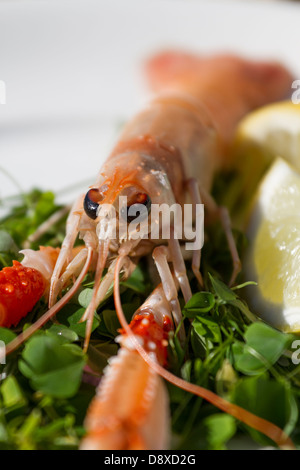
{"x": 140, "y": 420}
{"x": 168, "y": 152}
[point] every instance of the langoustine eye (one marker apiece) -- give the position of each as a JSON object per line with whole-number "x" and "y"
{"x": 91, "y": 202}
{"x": 137, "y": 207}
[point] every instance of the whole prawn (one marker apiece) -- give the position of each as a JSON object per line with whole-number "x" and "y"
{"x": 168, "y": 153}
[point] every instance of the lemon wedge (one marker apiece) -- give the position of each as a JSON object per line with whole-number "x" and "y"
{"x": 274, "y": 130}
{"x": 264, "y": 134}
{"x": 273, "y": 257}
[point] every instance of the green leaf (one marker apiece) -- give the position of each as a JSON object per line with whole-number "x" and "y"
{"x": 64, "y": 334}
{"x": 6, "y": 335}
{"x": 31, "y": 423}
{"x": 110, "y": 322}
{"x": 202, "y": 302}
{"x": 44, "y": 207}
{"x": 269, "y": 342}
{"x": 207, "y": 327}
{"x": 177, "y": 349}
{"x": 245, "y": 361}
{"x": 110, "y": 325}
{"x": 198, "y": 344}
{"x": 80, "y": 327}
{"x": 71, "y": 315}
{"x": 33, "y": 209}
{"x": 136, "y": 281}
{"x": 269, "y": 399}
{"x": 11, "y": 393}
{"x": 85, "y": 297}
{"x": 227, "y": 296}
{"x": 186, "y": 370}
{"x": 222, "y": 291}
{"x": 7, "y": 243}
{"x": 243, "y": 308}
{"x": 220, "y": 429}
{"x": 50, "y": 430}
{"x": 52, "y": 367}
{"x": 3, "y": 434}
{"x": 264, "y": 346}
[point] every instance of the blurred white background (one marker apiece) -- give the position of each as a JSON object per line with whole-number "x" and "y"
{"x": 72, "y": 71}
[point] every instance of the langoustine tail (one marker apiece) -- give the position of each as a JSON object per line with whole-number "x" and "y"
{"x": 130, "y": 410}
{"x": 227, "y": 85}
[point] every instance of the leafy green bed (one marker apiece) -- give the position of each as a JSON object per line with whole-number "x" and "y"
{"x": 47, "y": 384}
